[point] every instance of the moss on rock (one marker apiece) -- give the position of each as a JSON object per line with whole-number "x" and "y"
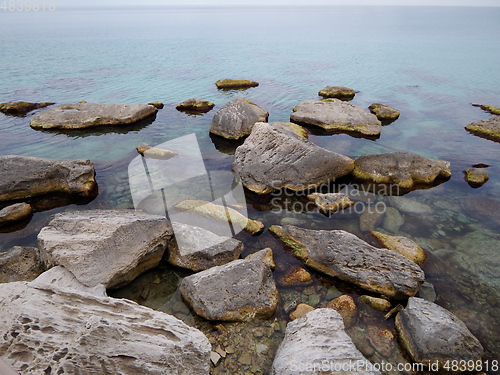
{"x": 339, "y": 92}
{"x": 384, "y": 112}
{"x": 227, "y": 83}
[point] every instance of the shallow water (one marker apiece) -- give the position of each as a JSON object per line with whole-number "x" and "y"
{"x": 429, "y": 63}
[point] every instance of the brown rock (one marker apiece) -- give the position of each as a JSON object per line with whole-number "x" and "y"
{"x": 382, "y": 340}
{"x": 378, "y": 304}
{"x": 346, "y": 307}
{"x": 401, "y": 245}
{"x": 14, "y": 213}
{"x": 295, "y": 276}
{"x": 301, "y": 311}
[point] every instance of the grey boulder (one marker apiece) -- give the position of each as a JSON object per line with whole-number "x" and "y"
{"x": 109, "y": 247}
{"x": 276, "y": 155}
{"x": 20, "y": 264}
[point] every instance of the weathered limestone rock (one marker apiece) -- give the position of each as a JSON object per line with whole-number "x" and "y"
{"x": 20, "y": 264}
{"x": 315, "y": 340}
{"x": 410, "y": 206}
{"x": 264, "y": 255}
{"x": 488, "y": 108}
{"x": 199, "y": 249}
{"x": 331, "y": 202}
{"x": 294, "y": 276}
{"x": 401, "y": 168}
{"x": 14, "y": 213}
{"x": 341, "y": 254}
{"x": 196, "y": 105}
{"x": 155, "y": 153}
{"x": 157, "y": 105}
{"x": 378, "y": 304}
{"x": 337, "y": 115}
{"x": 227, "y": 83}
{"x": 339, "y": 92}
{"x": 236, "y": 119}
{"x": 72, "y": 330}
{"x": 486, "y": 128}
{"x": 476, "y": 176}
{"x": 302, "y": 310}
{"x": 401, "y": 245}
{"x": 275, "y": 157}
{"x": 430, "y": 333}
{"x": 109, "y": 247}
{"x": 21, "y": 108}
{"x": 24, "y": 177}
{"x": 384, "y": 112}
{"x": 61, "y": 278}
{"x": 238, "y": 291}
{"x": 346, "y": 307}
{"x": 86, "y": 115}
{"x": 218, "y": 212}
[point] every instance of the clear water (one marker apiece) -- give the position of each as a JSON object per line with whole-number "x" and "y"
{"x": 430, "y": 63}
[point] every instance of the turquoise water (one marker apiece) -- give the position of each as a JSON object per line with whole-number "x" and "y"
{"x": 429, "y": 63}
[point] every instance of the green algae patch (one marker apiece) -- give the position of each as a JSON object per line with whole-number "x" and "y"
{"x": 476, "y": 176}
{"x": 227, "y": 83}
{"x": 489, "y": 129}
{"x": 488, "y": 108}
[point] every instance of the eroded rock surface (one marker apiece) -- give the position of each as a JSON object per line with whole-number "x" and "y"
{"x": 20, "y": 264}
{"x": 486, "y": 128}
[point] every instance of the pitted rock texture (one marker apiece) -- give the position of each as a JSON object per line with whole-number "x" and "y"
{"x": 20, "y": 264}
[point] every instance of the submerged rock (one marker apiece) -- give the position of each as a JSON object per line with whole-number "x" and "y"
{"x": 264, "y": 255}
{"x": 486, "y": 128}
{"x": 346, "y": 307}
{"x": 14, "y": 213}
{"x": 410, "y": 206}
{"x": 331, "y": 202}
{"x": 337, "y": 115}
{"x": 242, "y": 290}
{"x": 341, "y": 254}
{"x": 86, "y": 115}
{"x": 431, "y": 334}
{"x": 274, "y": 157}
{"x": 317, "y": 343}
{"x": 302, "y": 310}
{"x": 20, "y": 264}
{"x": 196, "y": 105}
{"x": 105, "y": 247}
{"x": 236, "y": 119}
{"x": 382, "y": 340}
{"x": 199, "y": 249}
{"x": 339, "y": 92}
{"x": 378, "y": 304}
{"x": 401, "y": 168}
{"x": 227, "y": 83}
{"x": 482, "y": 208}
{"x": 370, "y": 219}
{"x": 295, "y": 276}
{"x": 476, "y": 176}
{"x": 73, "y": 329}
{"x": 24, "y": 177}
{"x": 384, "y": 112}
{"x": 488, "y": 108}
{"x": 393, "y": 220}
{"x": 401, "y": 245}
{"x": 21, "y": 108}
{"x": 155, "y": 153}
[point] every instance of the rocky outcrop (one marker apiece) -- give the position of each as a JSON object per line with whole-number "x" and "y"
{"x": 274, "y": 157}
{"x": 341, "y": 254}
{"x": 238, "y": 291}
{"x": 486, "y": 128}
{"x": 87, "y": 115}
{"x": 62, "y": 328}
{"x": 236, "y": 119}
{"x": 21, "y": 108}
{"x": 331, "y": 202}
{"x": 317, "y": 343}
{"x": 227, "y": 83}
{"x": 430, "y": 334}
{"x": 109, "y": 247}
{"x": 401, "y": 168}
{"x": 14, "y": 213}
{"x": 336, "y": 115}
{"x": 199, "y": 249}
{"x": 195, "y": 105}
{"x": 339, "y": 92}
{"x": 25, "y": 177}
{"x": 384, "y": 112}
{"x": 20, "y": 264}
{"x": 476, "y": 177}
{"x": 401, "y": 245}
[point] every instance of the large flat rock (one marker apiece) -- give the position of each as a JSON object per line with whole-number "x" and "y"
{"x": 109, "y": 247}
{"x": 431, "y": 334}
{"x": 25, "y": 177}
{"x": 318, "y": 344}
{"x": 60, "y": 327}
{"x": 336, "y": 115}
{"x": 341, "y": 254}
{"x": 486, "y": 128}
{"x": 238, "y": 291}
{"x": 276, "y": 155}
{"x": 87, "y": 115}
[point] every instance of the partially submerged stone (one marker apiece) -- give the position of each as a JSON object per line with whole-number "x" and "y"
{"x": 227, "y": 83}
{"x": 331, "y": 202}
{"x": 341, "y": 254}
{"x": 295, "y": 276}
{"x": 20, "y": 264}
{"x": 87, "y": 115}
{"x": 236, "y": 119}
{"x": 476, "y": 176}
{"x": 242, "y": 290}
{"x": 221, "y": 214}
{"x": 150, "y": 152}
{"x": 430, "y": 334}
{"x": 488, "y": 108}
{"x": 109, "y": 247}
{"x": 199, "y": 249}
{"x": 264, "y": 255}
{"x": 302, "y": 310}
{"x": 378, "y": 304}
{"x": 401, "y": 245}
{"x": 382, "y": 340}
{"x": 195, "y": 105}
{"x": 25, "y": 177}
{"x": 384, "y": 112}
{"x": 370, "y": 219}
{"x": 336, "y": 115}
{"x": 486, "y": 128}
{"x": 274, "y": 157}
{"x": 318, "y": 341}
{"x": 346, "y": 307}
{"x": 14, "y": 213}
{"x": 21, "y": 108}
{"x": 410, "y": 206}
{"x": 393, "y": 220}
{"x": 401, "y": 168}
{"x": 339, "y": 92}
{"x": 157, "y": 105}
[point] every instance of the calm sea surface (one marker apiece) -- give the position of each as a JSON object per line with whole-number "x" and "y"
{"x": 429, "y": 63}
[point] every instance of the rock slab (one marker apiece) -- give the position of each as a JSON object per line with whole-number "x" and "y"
{"x": 486, "y": 128}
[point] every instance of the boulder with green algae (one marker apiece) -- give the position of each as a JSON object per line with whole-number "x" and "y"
{"x": 196, "y": 105}
{"x": 401, "y": 168}
{"x": 343, "y": 255}
{"x": 21, "y": 108}
{"x": 486, "y": 128}
{"x": 401, "y": 245}
{"x": 236, "y": 119}
{"x": 488, "y": 108}
{"x": 336, "y": 115}
{"x": 14, "y": 213}
{"x": 331, "y": 202}
{"x": 221, "y": 213}
{"x": 339, "y": 92}
{"x": 476, "y": 176}
{"x": 227, "y": 83}
{"x": 384, "y": 112}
